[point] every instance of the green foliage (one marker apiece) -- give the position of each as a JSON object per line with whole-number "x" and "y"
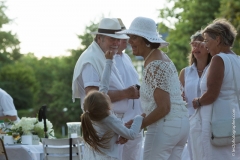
{"x": 15, "y": 130}
{"x": 189, "y": 16}
{"x": 61, "y": 91}
{"x": 230, "y": 9}
{"x": 3, "y": 18}
{"x": 54, "y": 78}
{"x": 19, "y": 81}
{"x": 33, "y": 82}
{"x": 38, "y": 131}
{"x": 87, "y": 38}
{"x": 9, "y": 44}
{"x": 26, "y": 112}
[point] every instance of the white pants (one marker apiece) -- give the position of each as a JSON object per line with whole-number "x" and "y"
{"x": 132, "y": 150}
{"x": 165, "y": 139}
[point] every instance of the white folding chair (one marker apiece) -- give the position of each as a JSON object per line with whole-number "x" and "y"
{"x": 3, "y": 150}
{"x": 63, "y": 149}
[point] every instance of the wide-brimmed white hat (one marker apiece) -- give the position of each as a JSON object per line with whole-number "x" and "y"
{"x": 109, "y": 27}
{"x": 146, "y": 28}
{"x": 119, "y": 20}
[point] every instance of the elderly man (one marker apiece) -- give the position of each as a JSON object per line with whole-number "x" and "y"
{"x": 89, "y": 68}
{"x": 7, "y": 108}
{"x": 132, "y": 150}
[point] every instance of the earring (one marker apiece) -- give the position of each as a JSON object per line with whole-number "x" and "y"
{"x": 148, "y": 45}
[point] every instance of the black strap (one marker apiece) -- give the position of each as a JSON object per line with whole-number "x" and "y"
{"x": 70, "y": 148}
{"x": 42, "y": 116}
{"x": 108, "y": 31}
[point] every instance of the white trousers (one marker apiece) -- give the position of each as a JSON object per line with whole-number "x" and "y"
{"x": 132, "y": 150}
{"x": 165, "y": 139}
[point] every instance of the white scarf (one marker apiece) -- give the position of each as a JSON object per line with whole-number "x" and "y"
{"x": 96, "y": 57}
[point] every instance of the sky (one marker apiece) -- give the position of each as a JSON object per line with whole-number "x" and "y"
{"x": 50, "y": 27}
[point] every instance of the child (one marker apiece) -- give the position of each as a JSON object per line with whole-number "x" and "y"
{"x": 101, "y": 128}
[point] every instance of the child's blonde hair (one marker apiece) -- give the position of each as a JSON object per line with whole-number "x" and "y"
{"x": 97, "y": 107}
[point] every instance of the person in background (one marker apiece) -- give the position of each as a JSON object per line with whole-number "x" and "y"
{"x": 101, "y": 128}
{"x": 217, "y": 90}
{"x": 132, "y": 150}
{"x": 7, "y": 108}
{"x": 190, "y": 77}
{"x": 160, "y": 93}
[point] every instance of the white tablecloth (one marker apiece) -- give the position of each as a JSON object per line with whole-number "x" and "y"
{"x": 24, "y": 152}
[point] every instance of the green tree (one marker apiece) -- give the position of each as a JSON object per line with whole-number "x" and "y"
{"x": 9, "y": 43}
{"x": 230, "y": 9}
{"x": 189, "y": 16}
{"x": 16, "y": 78}
{"x": 19, "y": 81}
{"x": 61, "y": 108}
{"x": 87, "y": 38}
{"x": 54, "y": 77}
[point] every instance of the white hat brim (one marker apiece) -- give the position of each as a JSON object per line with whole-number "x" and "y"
{"x": 118, "y": 36}
{"x": 156, "y": 39}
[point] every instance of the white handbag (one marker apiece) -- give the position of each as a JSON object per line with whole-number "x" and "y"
{"x": 226, "y": 132}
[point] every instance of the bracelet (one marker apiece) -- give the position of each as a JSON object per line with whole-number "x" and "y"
{"x": 198, "y": 103}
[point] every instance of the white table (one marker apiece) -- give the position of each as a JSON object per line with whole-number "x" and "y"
{"x": 24, "y": 152}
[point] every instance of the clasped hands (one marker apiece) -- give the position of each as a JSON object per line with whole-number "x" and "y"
{"x": 196, "y": 103}
{"x": 122, "y": 140}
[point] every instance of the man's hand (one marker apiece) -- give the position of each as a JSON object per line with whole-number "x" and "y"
{"x": 133, "y": 92}
{"x": 109, "y": 54}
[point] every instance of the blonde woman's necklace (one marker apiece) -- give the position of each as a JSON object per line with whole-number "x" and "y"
{"x": 149, "y": 54}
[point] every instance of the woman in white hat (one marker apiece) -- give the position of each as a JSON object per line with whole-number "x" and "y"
{"x": 166, "y": 114}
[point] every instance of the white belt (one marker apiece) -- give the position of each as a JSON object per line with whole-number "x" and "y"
{"x": 119, "y": 115}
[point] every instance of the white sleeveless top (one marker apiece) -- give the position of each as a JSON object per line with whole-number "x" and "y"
{"x": 192, "y": 86}
{"x": 227, "y": 93}
{"x": 225, "y": 101}
{"x": 163, "y": 75}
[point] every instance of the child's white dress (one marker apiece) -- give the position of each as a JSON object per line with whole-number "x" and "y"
{"x": 111, "y": 123}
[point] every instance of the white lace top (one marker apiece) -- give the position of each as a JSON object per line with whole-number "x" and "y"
{"x": 163, "y": 75}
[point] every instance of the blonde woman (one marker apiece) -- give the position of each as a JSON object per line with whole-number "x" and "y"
{"x": 217, "y": 88}
{"x": 191, "y": 76}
